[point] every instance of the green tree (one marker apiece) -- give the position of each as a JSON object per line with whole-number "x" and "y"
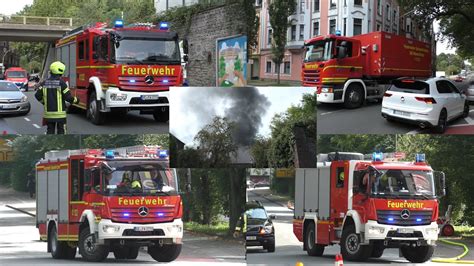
{"x": 260, "y": 150}
{"x": 279, "y": 11}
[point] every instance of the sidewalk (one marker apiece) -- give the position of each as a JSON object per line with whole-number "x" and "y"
{"x": 10, "y": 196}
{"x": 266, "y": 193}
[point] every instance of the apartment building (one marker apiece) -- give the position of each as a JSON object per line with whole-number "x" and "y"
{"x": 322, "y": 17}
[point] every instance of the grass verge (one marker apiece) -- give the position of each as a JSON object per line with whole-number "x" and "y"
{"x": 464, "y": 231}
{"x": 219, "y": 229}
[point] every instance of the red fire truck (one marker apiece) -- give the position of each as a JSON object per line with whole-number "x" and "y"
{"x": 122, "y": 68}
{"x": 350, "y": 70}
{"x": 109, "y": 200}
{"x": 367, "y": 206}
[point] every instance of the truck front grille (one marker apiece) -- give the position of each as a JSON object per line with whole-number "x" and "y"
{"x": 310, "y": 77}
{"x": 394, "y": 217}
{"x": 138, "y": 83}
{"x": 394, "y": 233}
{"x": 155, "y": 215}
{"x": 131, "y": 232}
{"x": 138, "y": 100}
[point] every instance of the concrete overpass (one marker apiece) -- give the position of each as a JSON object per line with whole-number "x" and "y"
{"x": 33, "y": 29}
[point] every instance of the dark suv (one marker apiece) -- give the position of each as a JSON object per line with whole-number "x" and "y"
{"x": 260, "y": 230}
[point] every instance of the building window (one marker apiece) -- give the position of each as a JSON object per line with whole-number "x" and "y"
{"x": 277, "y": 68}
{"x": 345, "y": 27}
{"x": 316, "y": 5}
{"x": 394, "y": 16}
{"x": 268, "y": 67}
{"x": 333, "y": 4}
{"x": 270, "y": 36}
{"x": 379, "y": 7}
{"x": 287, "y": 67}
{"x": 302, "y": 6}
{"x": 358, "y": 2}
{"x": 316, "y": 28}
{"x": 258, "y": 3}
{"x": 378, "y": 27}
{"x": 293, "y": 32}
{"x": 357, "y": 26}
{"x": 302, "y": 32}
{"x": 387, "y": 14}
{"x": 81, "y": 50}
{"x": 332, "y": 26}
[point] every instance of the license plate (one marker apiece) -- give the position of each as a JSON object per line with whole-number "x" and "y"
{"x": 8, "y": 107}
{"x": 143, "y": 228}
{"x": 251, "y": 238}
{"x": 401, "y": 113}
{"x": 405, "y": 230}
{"x": 150, "y": 97}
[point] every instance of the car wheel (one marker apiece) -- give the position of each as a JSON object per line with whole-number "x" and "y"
{"x": 271, "y": 247}
{"x": 465, "y": 112}
{"x": 442, "y": 122}
{"x": 354, "y": 96}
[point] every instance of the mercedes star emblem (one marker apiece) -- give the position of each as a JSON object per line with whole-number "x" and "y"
{"x": 143, "y": 211}
{"x": 402, "y": 99}
{"x": 405, "y": 214}
{"x": 149, "y": 80}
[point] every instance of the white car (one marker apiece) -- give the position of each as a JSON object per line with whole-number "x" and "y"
{"x": 426, "y": 103}
{"x": 470, "y": 89}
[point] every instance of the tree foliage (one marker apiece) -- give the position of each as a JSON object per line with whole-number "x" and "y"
{"x": 450, "y": 63}
{"x": 279, "y": 11}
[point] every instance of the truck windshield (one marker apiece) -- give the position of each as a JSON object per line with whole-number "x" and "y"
{"x": 147, "y": 51}
{"x": 138, "y": 178}
{"x": 318, "y": 51}
{"x": 16, "y": 74}
{"x": 404, "y": 184}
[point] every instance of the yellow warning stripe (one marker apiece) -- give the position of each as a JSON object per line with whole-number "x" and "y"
{"x": 406, "y": 69}
{"x": 98, "y": 67}
{"x": 337, "y": 66}
{"x": 52, "y": 167}
{"x": 97, "y": 203}
{"x": 325, "y": 222}
{"x": 78, "y": 202}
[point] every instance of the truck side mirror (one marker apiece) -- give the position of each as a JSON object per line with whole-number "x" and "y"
{"x": 341, "y": 52}
{"x": 185, "y": 58}
{"x": 185, "y": 46}
{"x": 441, "y": 190}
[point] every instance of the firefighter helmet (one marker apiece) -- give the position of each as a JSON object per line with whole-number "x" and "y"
{"x": 57, "y": 68}
{"x": 136, "y": 184}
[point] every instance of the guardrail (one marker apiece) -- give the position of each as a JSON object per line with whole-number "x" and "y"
{"x": 34, "y": 20}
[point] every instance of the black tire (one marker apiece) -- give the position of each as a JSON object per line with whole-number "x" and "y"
{"x": 71, "y": 109}
{"x": 417, "y": 254}
{"x": 165, "y": 253}
{"x": 377, "y": 250}
{"x": 312, "y": 248}
{"x": 133, "y": 253}
{"x": 122, "y": 253}
{"x": 89, "y": 250}
{"x": 442, "y": 122}
{"x": 271, "y": 247}
{"x": 351, "y": 249}
{"x": 93, "y": 110}
{"x": 354, "y": 96}
{"x": 161, "y": 114}
{"x": 59, "y": 249}
{"x": 465, "y": 112}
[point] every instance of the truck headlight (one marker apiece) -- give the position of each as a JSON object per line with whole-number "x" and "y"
{"x": 326, "y": 90}
{"x": 118, "y": 96}
{"x": 110, "y": 228}
{"x": 375, "y": 230}
{"x": 432, "y": 231}
{"x": 175, "y": 229}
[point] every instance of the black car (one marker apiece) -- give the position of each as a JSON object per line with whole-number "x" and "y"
{"x": 260, "y": 230}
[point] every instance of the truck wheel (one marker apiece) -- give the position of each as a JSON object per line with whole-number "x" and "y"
{"x": 351, "y": 247}
{"x": 59, "y": 249}
{"x": 354, "y": 96}
{"x": 161, "y": 114}
{"x": 164, "y": 253}
{"x": 89, "y": 250}
{"x": 442, "y": 122}
{"x": 417, "y": 254}
{"x": 312, "y": 248}
{"x": 122, "y": 253}
{"x": 93, "y": 110}
{"x": 377, "y": 250}
{"x": 132, "y": 253}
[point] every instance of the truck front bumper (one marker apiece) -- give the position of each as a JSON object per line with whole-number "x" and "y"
{"x": 115, "y": 98}
{"x": 327, "y": 97}
{"x": 108, "y": 230}
{"x": 394, "y": 233}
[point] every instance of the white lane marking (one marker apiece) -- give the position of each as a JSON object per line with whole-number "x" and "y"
{"x": 35, "y": 125}
{"x": 27, "y": 119}
{"x": 328, "y": 113}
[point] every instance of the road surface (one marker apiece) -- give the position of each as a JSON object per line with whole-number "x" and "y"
{"x": 77, "y": 123}
{"x": 289, "y": 250}
{"x": 20, "y": 245}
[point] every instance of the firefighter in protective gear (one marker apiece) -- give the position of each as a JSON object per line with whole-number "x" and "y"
{"x": 241, "y": 227}
{"x": 53, "y": 93}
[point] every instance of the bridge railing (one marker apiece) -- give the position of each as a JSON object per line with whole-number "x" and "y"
{"x": 34, "y": 20}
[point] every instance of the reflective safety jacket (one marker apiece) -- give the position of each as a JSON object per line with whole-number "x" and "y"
{"x": 53, "y": 93}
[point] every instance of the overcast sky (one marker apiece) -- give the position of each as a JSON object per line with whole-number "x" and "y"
{"x": 9, "y": 7}
{"x": 185, "y": 122}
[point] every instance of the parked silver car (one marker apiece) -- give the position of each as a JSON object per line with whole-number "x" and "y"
{"x": 470, "y": 89}
{"x": 12, "y": 100}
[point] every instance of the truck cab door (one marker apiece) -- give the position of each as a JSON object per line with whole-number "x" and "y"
{"x": 339, "y": 189}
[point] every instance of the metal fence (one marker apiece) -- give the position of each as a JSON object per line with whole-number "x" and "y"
{"x": 33, "y": 20}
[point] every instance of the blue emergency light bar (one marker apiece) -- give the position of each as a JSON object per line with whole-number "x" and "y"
{"x": 338, "y": 33}
{"x": 110, "y": 154}
{"x": 132, "y": 81}
{"x": 377, "y": 156}
{"x": 118, "y": 23}
{"x": 163, "y": 154}
{"x": 420, "y": 158}
{"x": 165, "y": 81}
{"x": 164, "y": 25}
{"x": 126, "y": 214}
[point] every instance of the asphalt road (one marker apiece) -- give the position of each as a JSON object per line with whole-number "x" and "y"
{"x": 289, "y": 250}
{"x": 77, "y": 123}
{"x": 20, "y": 245}
{"x": 335, "y": 119}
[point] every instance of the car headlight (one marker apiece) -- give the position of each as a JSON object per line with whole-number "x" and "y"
{"x": 24, "y": 99}
{"x": 118, "y": 96}
{"x": 268, "y": 229}
{"x": 376, "y": 230}
{"x": 110, "y": 228}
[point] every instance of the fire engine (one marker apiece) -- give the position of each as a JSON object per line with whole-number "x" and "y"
{"x": 122, "y": 68}
{"x": 103, "y": 201}
{"x": 350, "y": 70}
{"x": 366, "y": 206}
